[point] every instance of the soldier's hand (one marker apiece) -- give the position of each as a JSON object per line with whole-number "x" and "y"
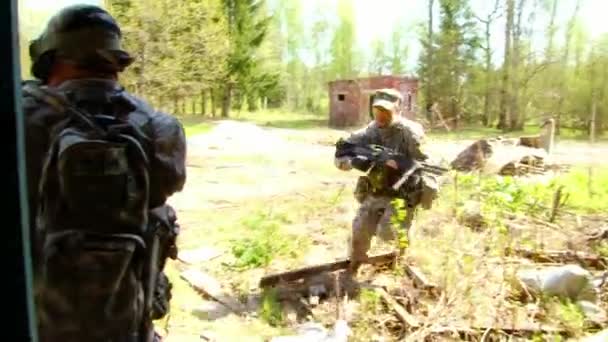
{"x": 392, "y": 164}
{"x": 343, "y": 164}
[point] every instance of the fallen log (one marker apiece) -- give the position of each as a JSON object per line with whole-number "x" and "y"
{"x": 305, "y": 272}
{"x": 588, "y": 260}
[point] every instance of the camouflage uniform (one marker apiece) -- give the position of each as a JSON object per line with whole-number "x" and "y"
{"x": 376, "y": 210}
{"x": 88, "y": 37}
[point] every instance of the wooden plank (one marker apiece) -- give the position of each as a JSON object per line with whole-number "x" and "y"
{"x": 305, "y": 272}
{"x": 408, "y": 319}
{"x": 420, "y": 280}
{"x": 212, "y": 288}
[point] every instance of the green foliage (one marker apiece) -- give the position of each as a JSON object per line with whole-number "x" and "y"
{"x": 263, "y": 242}
{"x": 501, "y": 196}
{"x": 370, "y": 301}
{"x": 397, "y": 223}
{"x": 571, "y": 315}
{"x": 271, "y": 310}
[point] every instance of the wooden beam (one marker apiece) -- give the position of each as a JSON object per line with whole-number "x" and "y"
{"x": 209, "y": 286}
{"x": 305, "y": 272}
{"x": 420, "y": 280}
{"x": 405, "y": 317}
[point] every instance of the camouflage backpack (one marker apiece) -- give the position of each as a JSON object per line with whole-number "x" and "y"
{"x": 97, "y": 272}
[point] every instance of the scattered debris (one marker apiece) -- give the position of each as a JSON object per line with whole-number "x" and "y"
{"x": 199, "y": 255}
{"x": 568, "y": 281}
{"x": 306, "y": 272}
{"x": 586, "y": 260}
{"x": 599, "y": 235}
{"x": 528, "y": 330}
{"x": 212, "y": 288}
{"x": 507, "y": 157}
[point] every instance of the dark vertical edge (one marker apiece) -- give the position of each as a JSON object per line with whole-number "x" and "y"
{"x": 19, "y": 275}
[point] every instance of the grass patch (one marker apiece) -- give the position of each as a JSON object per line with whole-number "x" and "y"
{"x": 283, "y": 119}
{"x": 264, "y": 241}
{"x": 587, "y": 191}
{"x": 195, "y": 125}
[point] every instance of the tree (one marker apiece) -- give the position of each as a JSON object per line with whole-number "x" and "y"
{"x": 247, "y": 27}
{"x": 487, "y": 49}
{"x": 398, "y": 51}
{"x": 454, "y": 56}
{"x": 379, "y": 61}
{"x": 343, "y": 53}
{"x": 505, "y": 92}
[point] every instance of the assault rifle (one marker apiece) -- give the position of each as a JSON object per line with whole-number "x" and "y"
{"x": 367, "y": 157}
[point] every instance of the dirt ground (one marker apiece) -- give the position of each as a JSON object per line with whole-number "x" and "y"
{"x": 239, "y": 163}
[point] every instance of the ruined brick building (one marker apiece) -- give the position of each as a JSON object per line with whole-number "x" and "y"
{"x": 350, "y": 100}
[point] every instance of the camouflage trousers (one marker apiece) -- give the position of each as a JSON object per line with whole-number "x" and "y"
{"x": 374, "y": 218}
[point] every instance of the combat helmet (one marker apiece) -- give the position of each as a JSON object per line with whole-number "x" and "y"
{"x": 86, "y": 35}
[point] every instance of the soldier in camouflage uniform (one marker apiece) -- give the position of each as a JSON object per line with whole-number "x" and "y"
{"x": 374, "y": 216}
{"x": 98, "y": 274}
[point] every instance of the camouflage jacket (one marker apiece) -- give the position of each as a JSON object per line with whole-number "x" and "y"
{"x": 168, "y": 169}
{"x": 403, "y": 136}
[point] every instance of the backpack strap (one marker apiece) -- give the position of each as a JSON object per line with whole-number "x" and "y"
{"x": 61, "y": 104}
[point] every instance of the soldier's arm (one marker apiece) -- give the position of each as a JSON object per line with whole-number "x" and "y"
{"x": 359, "y": 137}
{"x": 168, "y": 165}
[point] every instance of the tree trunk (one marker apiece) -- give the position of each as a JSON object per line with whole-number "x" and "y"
{"x": 226, "y": 98}
{"x": 175, "y": 105}
{"x": 213, "y": 101}
{"x": 593, "y": 117}
{"x": 252, "y": 103}
{"x": 429, "y": 80}
{"x": 193, "y": 106}
{"x": 203, "y": 103}
{"x": 515, "y": 72}
{"x": 564, "y": 64}
{"x": 551, "y": 33}
{"x": 504, "y": 114}
{"x": 487, "y": 120}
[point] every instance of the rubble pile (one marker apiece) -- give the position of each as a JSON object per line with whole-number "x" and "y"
{"x": 506, "y": 157}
